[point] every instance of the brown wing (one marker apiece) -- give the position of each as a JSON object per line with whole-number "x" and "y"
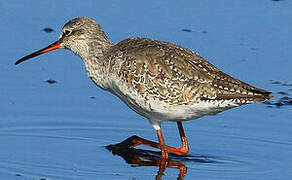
{"x": 175, "y": 74}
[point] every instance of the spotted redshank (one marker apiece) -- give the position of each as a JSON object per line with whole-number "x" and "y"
{"x": 159, "y": 80}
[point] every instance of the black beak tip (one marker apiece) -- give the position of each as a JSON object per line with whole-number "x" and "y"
{"x": 53, "y": 46}
{"x": 19, "y": 61}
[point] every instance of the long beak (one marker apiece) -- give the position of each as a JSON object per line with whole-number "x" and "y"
{"x": 53, "y": 46}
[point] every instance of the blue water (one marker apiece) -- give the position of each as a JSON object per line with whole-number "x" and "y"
{"x": 58, "y": 131}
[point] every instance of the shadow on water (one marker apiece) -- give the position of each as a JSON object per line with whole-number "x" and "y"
{"x": 140, "y": 157}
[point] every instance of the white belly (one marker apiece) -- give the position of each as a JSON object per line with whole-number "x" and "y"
{"x": 154, "y": 109}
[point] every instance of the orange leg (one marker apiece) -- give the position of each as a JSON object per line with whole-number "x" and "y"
{"x": 184, "y": 149}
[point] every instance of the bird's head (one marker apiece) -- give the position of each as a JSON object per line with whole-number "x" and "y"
{"x": 80, "y": 35}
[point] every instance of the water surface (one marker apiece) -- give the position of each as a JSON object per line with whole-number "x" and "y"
{"x": 59, "y": 130}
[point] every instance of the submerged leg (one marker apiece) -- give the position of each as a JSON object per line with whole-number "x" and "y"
{"x": 184, "y": 149}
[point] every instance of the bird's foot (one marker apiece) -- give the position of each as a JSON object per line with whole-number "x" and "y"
{"x": 129, "y": 142}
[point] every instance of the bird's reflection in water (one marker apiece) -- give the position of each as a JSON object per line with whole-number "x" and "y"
{"x": 139, "y": 157}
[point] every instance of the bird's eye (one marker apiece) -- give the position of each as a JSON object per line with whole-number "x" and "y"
{"x": 67, "y": 32}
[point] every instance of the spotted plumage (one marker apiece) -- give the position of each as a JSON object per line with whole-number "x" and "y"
{"x": 150, "y": 72}
{"x": 160, "y": 80}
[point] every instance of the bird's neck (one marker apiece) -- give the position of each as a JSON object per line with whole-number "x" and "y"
{"x": 95, "y": 63}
